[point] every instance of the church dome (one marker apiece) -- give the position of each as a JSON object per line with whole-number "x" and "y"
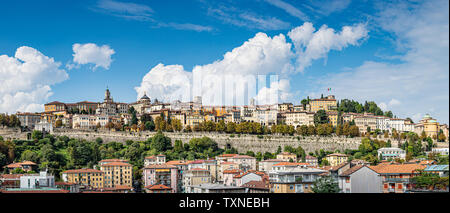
{"x": 145, "y": 97}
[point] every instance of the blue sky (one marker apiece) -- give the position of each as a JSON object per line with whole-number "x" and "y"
{"x": 388, "y": 56}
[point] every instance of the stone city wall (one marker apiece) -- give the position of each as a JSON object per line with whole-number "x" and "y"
{"x": 243, "y": 143}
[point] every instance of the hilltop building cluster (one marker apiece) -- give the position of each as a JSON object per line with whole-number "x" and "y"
{"x": 91, "y": 115}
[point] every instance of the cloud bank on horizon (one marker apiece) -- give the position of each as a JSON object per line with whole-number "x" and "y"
{"x": 260, "y": 55}
{"x": 26, "y": 79}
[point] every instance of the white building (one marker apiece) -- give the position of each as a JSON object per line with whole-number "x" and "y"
{"x": 360, "y": 179}
{"x": 89, "y": 121}
{"x": 441, "y": 151}
{"x": 44, "y": 126}
{"x": 391, "y": 153}
{"x": 297, "y": 119}
{"x": 33, "y": 181}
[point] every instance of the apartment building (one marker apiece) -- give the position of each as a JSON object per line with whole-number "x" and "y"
{"x": 293, "y": 180}
{"x": 164, "y": 174}
{"x": 91, "y": 178}
{"x": 286, "y": 156}
{"x": 327, "y": 104}
{"x": 299, "y": 118}
{"x": 387, "y": 153}
{"x": 336, "y": 159}
{"x": 117, "y": 174}
{"x": 360, "y": 179}
{"x": 396, "y": 178}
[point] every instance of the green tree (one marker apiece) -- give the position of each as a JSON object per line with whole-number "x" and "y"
{"x": 160, "y": 142}
{"x": 320, "y": 117}
{"x": 36, "y": 135}
{"x": 29, "y": 155}
{"x": 325, "y": 184}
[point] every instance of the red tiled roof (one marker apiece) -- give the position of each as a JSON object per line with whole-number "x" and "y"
{"x": 242, "y": 156}
{"x": 232, "y": 171}
{"x": 64, "y": 183}
{"x": 337, "y": 154}
{"x": 291, "y": 164}
{"x": 160, "y": 166}
{"x": 119, "y": 187}
{"x": 11, "y": 176}
{"x": 83, "y": 171}
{"x": 36, "y": 191}
{"x": 256, "y": 185}
{"x": 15, "y": 165}
{"x": 158, "y": 187}
{"x": 351, "y": 170}
{"x": 227, "y": 155}
{"x": 177, "y": 162}
{"x": 54, "y": 103}
{"x": 113, "y": 160}
{"x": 116, "y": 164}
{"x": 228, "y": 163}
{"x": 197, "y": 162}
{"x": 406, "y": 168}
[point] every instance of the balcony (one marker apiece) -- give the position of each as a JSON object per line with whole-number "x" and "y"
{"x": 398, "y": 180}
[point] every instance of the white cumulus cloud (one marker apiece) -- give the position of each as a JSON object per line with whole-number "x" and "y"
{"x": 420, "y": 79}
{"x": 26, "y": 79}
{"x": 312, "y": 45}
{"x": 90, "y": 53}
{"x": 243, "y": 72}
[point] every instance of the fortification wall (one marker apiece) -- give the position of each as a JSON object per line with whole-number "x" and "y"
{"x": 242, "y": 143}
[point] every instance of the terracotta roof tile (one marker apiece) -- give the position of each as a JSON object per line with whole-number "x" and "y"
{"x": 158, "y": 187}
{"x": 406, "y": 168}
{"x": 83, "y": 171}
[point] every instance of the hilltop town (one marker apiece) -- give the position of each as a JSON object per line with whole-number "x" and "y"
{"x": 392, "y": 154}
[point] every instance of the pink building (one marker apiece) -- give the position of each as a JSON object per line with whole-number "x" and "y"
{"x": 161, "y": 174}
{"x": 228, "y": 176}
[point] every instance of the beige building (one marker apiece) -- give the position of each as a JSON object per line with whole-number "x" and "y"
{"x": 300, "y": 118}
{"x": 285, "y": 107}
{"x": 333, "y": 117}
{"x": 327, "y": 104}
{"x": 89, "y": 121}
{"x": 196, "y": 176}
{"x": 336, "y": 159}
{"x": 286, "y": 156}
{"x": 91, "y": 178}
{"x": 117, "y": 174}
{"x": 245, "y": 162}
{"x": 365, "y": 121}
{"x": 266, "y": 165}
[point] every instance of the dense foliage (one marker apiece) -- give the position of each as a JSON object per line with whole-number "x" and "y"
{"x": 9, "y": 120}
{"x": 325, "y": 184}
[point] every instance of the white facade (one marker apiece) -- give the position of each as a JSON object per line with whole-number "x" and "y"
{"x": 299, "y": 118}
{"x": 391, "y": 153}
{"x": 89, "y": 121}
{"x": 44, "y": 125}
{"x": 32, "y": 181}
{"x": 441, "y": 151}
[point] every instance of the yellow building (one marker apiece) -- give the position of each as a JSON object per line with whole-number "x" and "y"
{"x": 285, "y": 107}
{"x": 327, "y": 104}
{"x": 117, "y": 174}
{"x": 430, "y": 125}
{"x": 333, "y": 117}
{"x": 54, "y": 106}
{"x": 194, "y": 119}
{"x": 91, "y": 178}
{"x": 336, "y": 159}
{"x": 286, "y": 156}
